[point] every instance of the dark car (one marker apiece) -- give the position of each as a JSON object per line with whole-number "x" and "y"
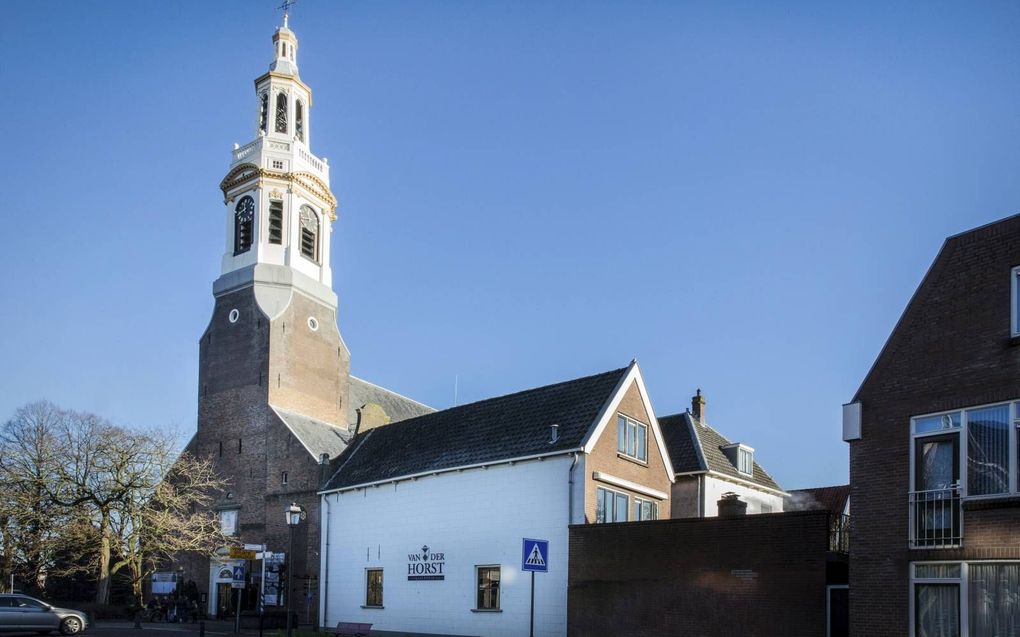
{"x": 21, "y": 613}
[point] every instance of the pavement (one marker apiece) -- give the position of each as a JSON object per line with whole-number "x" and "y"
{"x": 213, "y": 628}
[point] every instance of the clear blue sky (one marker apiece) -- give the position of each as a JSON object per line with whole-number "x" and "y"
{"x": 741, "y": 195}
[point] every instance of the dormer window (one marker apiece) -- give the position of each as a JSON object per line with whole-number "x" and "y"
{"x": 631, "y": 438}
{"x": 741, "y": 456}
{"x": 1015, "y": 304}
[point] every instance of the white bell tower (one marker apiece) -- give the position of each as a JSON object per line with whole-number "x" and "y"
{"x": 279, "y": 207}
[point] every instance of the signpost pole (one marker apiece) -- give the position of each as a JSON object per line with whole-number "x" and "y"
{"x": 532, "y": 633}
{"x": 237, "y": 616}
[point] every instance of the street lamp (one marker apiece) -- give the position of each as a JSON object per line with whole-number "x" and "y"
{"x": 293, "y": 513}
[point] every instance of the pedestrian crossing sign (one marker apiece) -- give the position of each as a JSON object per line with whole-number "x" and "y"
{"x": 536, "y": 556}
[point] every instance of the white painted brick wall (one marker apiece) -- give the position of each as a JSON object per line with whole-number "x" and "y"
{"x": 473, "y": 517}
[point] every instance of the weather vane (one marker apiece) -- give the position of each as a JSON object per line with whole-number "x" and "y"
{"x": 287, "y": 4}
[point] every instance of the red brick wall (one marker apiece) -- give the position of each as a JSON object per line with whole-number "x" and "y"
{"x": 951, "y": 349}
{"x": 677, "y": 577}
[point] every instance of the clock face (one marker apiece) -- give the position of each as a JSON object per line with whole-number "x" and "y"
{"x": 245, "y": 208}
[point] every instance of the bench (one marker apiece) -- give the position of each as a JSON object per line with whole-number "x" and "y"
{"x": 351, "y": 629}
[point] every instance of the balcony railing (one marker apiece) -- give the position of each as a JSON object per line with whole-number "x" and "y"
{"x": 839, "y": 533}
{"x": 935, "y": 518}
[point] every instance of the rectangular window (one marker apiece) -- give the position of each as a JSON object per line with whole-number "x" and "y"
{"x": 972, "y": 452}
{"x": 488, "y": 588}
{"x": 238, "y": 445}
{"x": 766, "y": 508}
{"x": 228, "y": 522}
{"x": 276, "y": 222}
{"x": 374, "y": 587}
{"x": 610, "y": 506}
{"x": 632, "y": 438}
{"x": 988, "y": 450}
{"x": 645, "y": 510}
{"x": 283, "y": 477}
{"x": 1015, "y": 305}
{"x": 745, "y": 461}
{"x": 984, "y": 597}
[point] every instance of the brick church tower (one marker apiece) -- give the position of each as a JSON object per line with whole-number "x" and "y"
{"x": 274, "y": 373}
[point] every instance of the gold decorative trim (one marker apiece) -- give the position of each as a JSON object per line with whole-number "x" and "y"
{"x": 244, "y": 173}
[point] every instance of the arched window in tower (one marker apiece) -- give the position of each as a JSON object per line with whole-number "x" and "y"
{"x": 299, "y": 120}
{"x": 281, "y": 113}
{"x": 309, "y": 234}
{"x": 244, "y": 220}
{"x": 264, "y": 113}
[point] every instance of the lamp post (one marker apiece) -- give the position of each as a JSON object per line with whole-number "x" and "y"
{"x": 293, "y": 513}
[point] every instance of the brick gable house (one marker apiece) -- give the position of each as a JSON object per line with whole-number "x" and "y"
{"x": 933, "y": 453}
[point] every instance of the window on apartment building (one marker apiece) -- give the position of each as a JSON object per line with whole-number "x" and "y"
{"x": 1015, "y": 304}
{"x": 610, "y": 506}
{"x": 374, "y": 587}
{"x": 632, "y": 438}
{"x": 228, "y": 522}
{"x": 488, "y": 587}
{"x": 972, "y": 448}
{"x": 645, "y": 509}
{"x": 283, "y": 478}
{"x": 983, "y": 597}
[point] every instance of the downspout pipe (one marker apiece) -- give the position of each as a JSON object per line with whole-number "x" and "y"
{"x": 570, "y": 490}
{"x": 325, "y": 569}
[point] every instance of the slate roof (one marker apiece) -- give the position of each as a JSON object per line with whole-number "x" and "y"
{"x": 317, "y": 436}
{"x": 694, "y": 446}
{"x": 321, "y": 437}
{"x": 397, "y": 407}
{"x": 511, "y": 426}
{"x": 831, "y": 499}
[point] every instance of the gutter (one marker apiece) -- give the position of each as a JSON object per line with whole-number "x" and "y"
{"x": 434, "y": 472}
{"x": 325, "y": 570}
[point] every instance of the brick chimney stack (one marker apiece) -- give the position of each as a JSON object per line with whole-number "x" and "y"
{"x": 698, "y": 407}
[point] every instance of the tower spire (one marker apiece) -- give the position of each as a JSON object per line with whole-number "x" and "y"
{"x": 287, "y": 4}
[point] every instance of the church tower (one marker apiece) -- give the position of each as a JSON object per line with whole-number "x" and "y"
{"x": 273, "y": 338}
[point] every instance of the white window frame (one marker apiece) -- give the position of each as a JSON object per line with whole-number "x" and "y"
{"x": 637, "y": 502}
{"x": 962, "y": 580}
{"x": 616, "y": 494}
{"x": 628, "y": 423}
{"x": 962, "y": 431}
{"x": 1014, "y": 286}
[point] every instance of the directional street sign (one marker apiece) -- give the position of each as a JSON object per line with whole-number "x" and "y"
{"x": 535, "y": 556}
{"x": 238, "y": 577}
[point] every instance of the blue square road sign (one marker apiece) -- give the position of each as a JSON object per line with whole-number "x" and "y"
{"x": 535, "y": 556}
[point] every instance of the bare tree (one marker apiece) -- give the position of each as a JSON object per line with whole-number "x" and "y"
{"x": 119, "y": 499}
{"x": 31, "y": 523}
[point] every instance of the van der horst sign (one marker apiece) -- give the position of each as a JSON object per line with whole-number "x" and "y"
{"x": 426, "y": 565}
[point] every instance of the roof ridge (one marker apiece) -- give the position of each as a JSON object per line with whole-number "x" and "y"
{"x": 516, "y": 393}
{"x": 697, "y": 440}
{"x": 390, "y": 391}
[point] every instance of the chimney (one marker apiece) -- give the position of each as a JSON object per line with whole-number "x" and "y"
{"x": 698, "y": 407}
{"x": 731, "y": 506}
{"x": 323, "y": 469}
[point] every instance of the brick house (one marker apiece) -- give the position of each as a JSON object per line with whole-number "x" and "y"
{"x": 933, "y": 453}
